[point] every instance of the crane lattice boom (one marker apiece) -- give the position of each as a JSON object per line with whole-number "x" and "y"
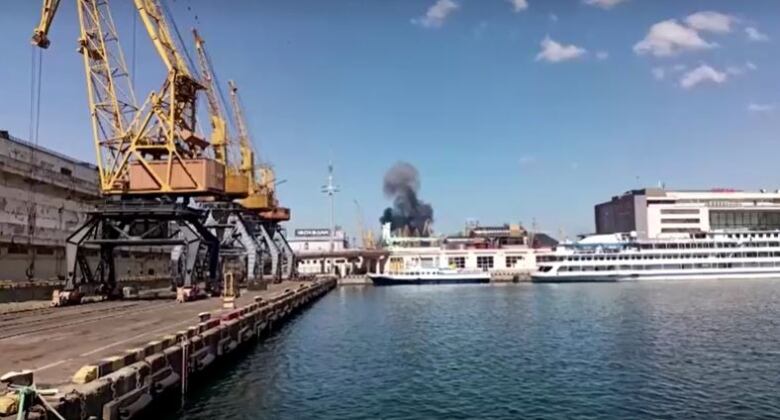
{"x": 148, "y": 150}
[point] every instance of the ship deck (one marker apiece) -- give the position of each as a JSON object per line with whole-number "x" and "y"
{"x": 55, "y": 342}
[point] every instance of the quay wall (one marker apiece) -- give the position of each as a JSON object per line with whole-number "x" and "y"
{"x": 138, "y": 382}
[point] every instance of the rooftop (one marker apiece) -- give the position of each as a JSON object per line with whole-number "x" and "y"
{"x": 6, "y": 135}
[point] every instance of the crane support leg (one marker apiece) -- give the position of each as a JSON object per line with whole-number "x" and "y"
{"x": 239, "y": 249}
{"x": 286, "y": 253}
{"x": 272, "y": 249}
{"x": 134, "y": 224}
{"x": 249, "y": 244}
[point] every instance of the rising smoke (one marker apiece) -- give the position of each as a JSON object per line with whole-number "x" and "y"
{"x": 409, "y": 213}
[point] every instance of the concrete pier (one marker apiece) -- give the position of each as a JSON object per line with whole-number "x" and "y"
{"x": 112, "y": 360}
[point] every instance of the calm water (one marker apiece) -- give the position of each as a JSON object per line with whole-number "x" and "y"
{"x": 707, "y": 349}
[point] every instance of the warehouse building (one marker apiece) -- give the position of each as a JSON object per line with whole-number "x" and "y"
{"x": 44, "y": 197}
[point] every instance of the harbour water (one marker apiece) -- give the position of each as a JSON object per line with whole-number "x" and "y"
{"x": 707, "y": 349}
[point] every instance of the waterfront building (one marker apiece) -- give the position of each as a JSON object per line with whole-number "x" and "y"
{"x": 318, "y": 240}
{"x": 312, "y": 245}
{"x": 501, "y": 251}
{"x": 657, "y": 212}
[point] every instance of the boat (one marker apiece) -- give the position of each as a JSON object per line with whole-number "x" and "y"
{"x": 431, "y": 276}
{"x": 696, "y": 255}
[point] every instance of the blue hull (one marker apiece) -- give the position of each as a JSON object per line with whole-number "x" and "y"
{"x": 387, "y": 281}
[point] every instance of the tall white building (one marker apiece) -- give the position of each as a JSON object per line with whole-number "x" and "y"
{"x": 656, "y": 212}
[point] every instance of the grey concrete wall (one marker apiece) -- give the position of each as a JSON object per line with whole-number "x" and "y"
{"x": 44, "y": 197}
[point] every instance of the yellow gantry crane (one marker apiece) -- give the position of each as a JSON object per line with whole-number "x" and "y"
{"x": 148, "y": 150}
{"x": 366, "y": 236}
{"x": 236, "y": 182}
{"x": 149, "y": 156}
{"x": 153, "y": 159}
{"x": 261, "y": 178}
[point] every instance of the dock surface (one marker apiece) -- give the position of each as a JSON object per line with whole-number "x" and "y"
{"x": 56, "y": 342}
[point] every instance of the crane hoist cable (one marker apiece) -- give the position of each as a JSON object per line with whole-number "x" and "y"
{"x": 182, "y": 45}
{"x": 233, "y": 154}
{"x": 36, "y": 69}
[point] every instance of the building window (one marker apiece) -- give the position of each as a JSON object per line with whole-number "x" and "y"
{"x": 511, "y": 260}
{"x": 66, "y": 171}
{"x": 679, "y": 211}
{"x": 485, "y": 263}
{"x": 17, "y": 249}
{"x": 745, "y": 219}
{"x": 457, "y": 262}
{"x": 44, "y": 250}
{"x": 683, "y": 221}
{"x": 679, "y": 230}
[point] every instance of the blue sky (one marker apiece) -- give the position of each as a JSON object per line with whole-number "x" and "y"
{"x": 512, "y": 111}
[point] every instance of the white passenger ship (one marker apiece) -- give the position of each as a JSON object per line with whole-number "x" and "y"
{"x": 431, "y": 276}
{"x": 621, "y": 257}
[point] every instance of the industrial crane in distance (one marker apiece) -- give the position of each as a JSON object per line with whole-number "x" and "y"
{"x": 152, "y": 163}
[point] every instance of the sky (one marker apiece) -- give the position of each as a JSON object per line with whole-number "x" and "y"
{"x": 512, "y": 111}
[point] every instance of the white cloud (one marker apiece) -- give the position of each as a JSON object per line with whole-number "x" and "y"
{"x": 734, "y": 70}
{"x": 661, "y": 72}
{"x": 710, "y": 21}
{"x": 553, "y": 17}
{"x": 555, "y": 52}
{"x": 519, "y": 5}
{"x": 602, "y": 55}
{"x": 755, "y": 35}
{"x": 604, "y": 4}
{"x": 753, "y": 107}
{"x": 669, "y": 38}
{"x": 739, "y": 70}
{"x": 437, "y": 14}
{"x": 701, "y": 74}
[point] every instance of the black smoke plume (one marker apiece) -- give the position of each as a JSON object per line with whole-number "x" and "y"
{"x": 409, "y": 213}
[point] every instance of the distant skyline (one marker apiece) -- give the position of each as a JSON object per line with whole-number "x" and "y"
{"x": 511, "y": 110}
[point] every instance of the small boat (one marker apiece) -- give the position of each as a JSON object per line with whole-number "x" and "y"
{"x": 430, "y": 276}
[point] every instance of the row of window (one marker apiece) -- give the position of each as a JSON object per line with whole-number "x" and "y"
{"x": 634, "y": 257}
{"x": 457, "y": 262}
{"x": 708, "y": 245}
{"x": 511, "y": 260}
{"x": 680, "y": 230}
{"x": 679, "y": 211}
{"x": 745, "y": 219}
{"x": 681, "y": 221}
{"x": 730, "y": 265}
{"x": 484, "y": 262}
{"x": 307, "y": 262}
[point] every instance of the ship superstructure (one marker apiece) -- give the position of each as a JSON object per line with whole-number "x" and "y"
{"x": 623, "y": 256}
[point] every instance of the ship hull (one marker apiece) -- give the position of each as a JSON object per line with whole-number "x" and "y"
{"x": 774, "y": 275}
{"x": 385, "y": 280}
